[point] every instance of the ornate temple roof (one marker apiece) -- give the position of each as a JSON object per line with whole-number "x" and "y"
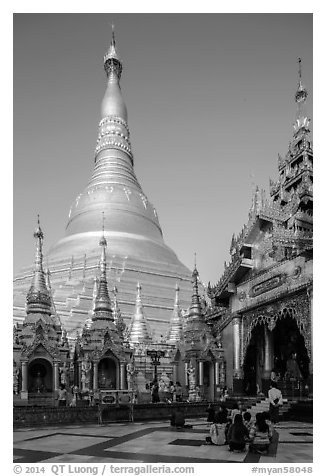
{"x": 100, "y": 333}
{"x": 138, "y": 331}
{"x": 288, "y": 209}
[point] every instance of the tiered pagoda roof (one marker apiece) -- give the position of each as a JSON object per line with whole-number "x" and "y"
{"x": 287, "y": 212}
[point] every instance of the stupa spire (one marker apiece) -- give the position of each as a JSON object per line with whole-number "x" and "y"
{"x": 112, "y": 61}
{"x": 175, "y": 333}
{"x": 102, "y": 307}
{"x": 138, "y": 331}
{"x": 38, "y": 299}
{"x": 53, "y": 308}
{"x": 301, "y": 125}
{"x": 113, "y": 186}
{"x": 117, "y": 316}
{"x": 195, "y": 308}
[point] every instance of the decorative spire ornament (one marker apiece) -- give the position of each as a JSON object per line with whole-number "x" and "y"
{"x": 53, "y": 308}
{"x": 175, "y": 333}
{"x": 301, "y": 125}
{"x": 102, "y": 305}
{"x": 117, "y": 316}
{"x": 138, "y": 331}
{"x": 38, "y": 298}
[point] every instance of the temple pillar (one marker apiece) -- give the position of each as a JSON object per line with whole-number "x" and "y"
{"x": 217, "y": 373}
{"x": 186, "y": 374}
{"x": 268, "y": 359}
{"x": 95, "y": 375}
{"x": 174, "y": 373}
{"x": 24, "y": 391}
{"x": 122, "y": 376}
{"x": 201, "y": 373}
{"x": 310, "y": 382}
{"x": 237, "y": 371}
{"x": 56, "y": 376}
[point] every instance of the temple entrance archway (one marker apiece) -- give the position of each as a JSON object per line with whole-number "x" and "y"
{"x": 291, "y": 359}
{"x": 278, "y": 345}
{"x": 107, "y": 374}
{"x": 40, "y": 376}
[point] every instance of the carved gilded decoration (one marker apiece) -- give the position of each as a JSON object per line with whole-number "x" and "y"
{"x": 298, "y": 307}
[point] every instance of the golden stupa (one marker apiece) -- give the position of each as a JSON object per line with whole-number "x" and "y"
{"x": 136, "y": 250}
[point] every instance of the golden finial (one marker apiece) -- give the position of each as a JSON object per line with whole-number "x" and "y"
{"x": 103, "y": 240}
{"x": 113, "y": 38}
{"x": 299, "y": 64}
{"x": 38, "y": 232}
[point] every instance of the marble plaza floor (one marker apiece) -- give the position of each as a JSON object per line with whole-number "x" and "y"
{"x": 152, "y": 442}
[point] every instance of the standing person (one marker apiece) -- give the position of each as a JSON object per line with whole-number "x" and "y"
{"x": 275, "y": 401}
{"x": 224, "y": 394}
{"x": 178, "y": 392}
{"x": 62, "y": 396}
{"x": 171, "y": 391}
{"x": 155, "y": 395}
{"x": 238, "y": 434}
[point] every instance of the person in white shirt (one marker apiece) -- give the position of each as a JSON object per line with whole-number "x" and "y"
{"x": 275, "y": 401}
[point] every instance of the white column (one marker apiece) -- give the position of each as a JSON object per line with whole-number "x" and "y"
{"x": 268, "y": 353}
{"x": 24, "y": 377}
{"x": 122, "y": 376}
{"x": 201, "y": 373}
{"x": 236, "y": 347}
{"x": 217, "y": 373}
{"x": 186, "y": 373}
{"x": 95, "y": 375}
{"x": 174, "y": 373}
{"x": 56, "y": 375}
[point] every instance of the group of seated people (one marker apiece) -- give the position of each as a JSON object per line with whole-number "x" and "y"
{"x": 237, "y": 428}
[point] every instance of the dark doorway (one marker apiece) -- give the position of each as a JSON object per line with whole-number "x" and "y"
{"x": 107, "y": 374}
{"x": 291, "y": 359}
{"x": 40, "y": 376}
{"x": 254, "y": 361}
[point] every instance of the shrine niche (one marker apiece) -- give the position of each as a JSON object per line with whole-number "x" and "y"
{"x": 107, "y": 373}
{"x": 40, "y": 375}
{"x": 297, "y": 308}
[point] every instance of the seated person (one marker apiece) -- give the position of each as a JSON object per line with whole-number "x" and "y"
{"x": 222, "y": 412}
{"x": 211, "y": 413}
{"x": 177, "y": 419}
{"x": 216, "y": 432}
{"x": 260, "y": 435}
{"x": 238, "y": 434}
{"x": 247, "y": 420}
{"x": 236, "y": 410}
